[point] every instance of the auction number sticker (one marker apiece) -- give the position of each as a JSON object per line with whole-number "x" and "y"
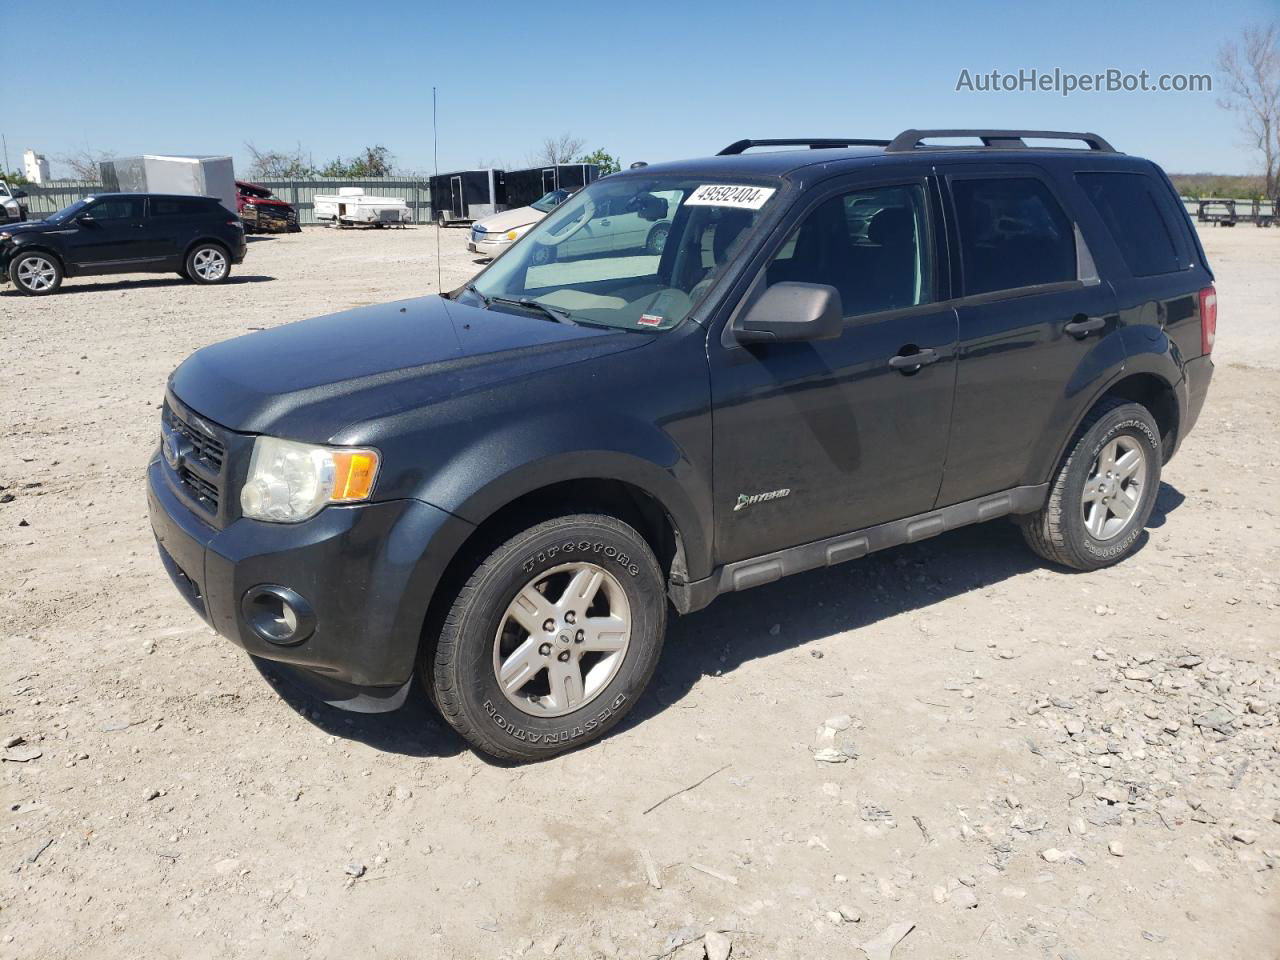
{"x": 728, "y": 195}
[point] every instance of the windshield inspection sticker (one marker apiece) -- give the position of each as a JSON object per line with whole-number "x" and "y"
{"x": 649, "y": 320}
{"x": 727, "y": 195}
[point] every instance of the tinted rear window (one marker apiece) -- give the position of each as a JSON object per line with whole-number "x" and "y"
{"x": 178, "y": 206}
{"x": 1013, "y": 233}
{"x": 1137, "y": 219}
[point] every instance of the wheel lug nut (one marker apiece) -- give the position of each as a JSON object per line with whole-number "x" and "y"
{"x": 570, "y": 617}
{"x": 545, "y": 649}
{"x": 549, "y": 626}
{"x": 579, "y": 637}
{"x": 563, "y": 656}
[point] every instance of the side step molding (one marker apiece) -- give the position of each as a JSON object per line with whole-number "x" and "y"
{"x": 744, "y": 574}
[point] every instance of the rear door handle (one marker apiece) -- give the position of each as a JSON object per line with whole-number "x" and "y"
{"x": 910, "y": 362}
{"x": 1081, "y": 326}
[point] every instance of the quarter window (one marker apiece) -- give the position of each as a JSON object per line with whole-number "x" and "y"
{"x": 175, "y": 207}
{"x": 871, "y": 245}
{"x": 1013, "y": 233}
{"x": 1136, "y": 219}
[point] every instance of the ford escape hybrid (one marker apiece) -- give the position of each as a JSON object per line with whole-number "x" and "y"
{"x": 841, "y": 346}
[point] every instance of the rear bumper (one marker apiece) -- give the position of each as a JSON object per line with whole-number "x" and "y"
{"x": 1198, "y": 373}
{"x": 365, "y": 572}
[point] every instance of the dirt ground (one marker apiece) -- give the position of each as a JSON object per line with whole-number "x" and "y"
{"x": 1020, "y": 762}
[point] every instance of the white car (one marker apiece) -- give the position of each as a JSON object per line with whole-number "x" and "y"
{"x": 492, "y": 235}
{"x": 11, "y": 207}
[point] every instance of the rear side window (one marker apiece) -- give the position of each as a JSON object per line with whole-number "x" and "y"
{"x": 176, "y": 207}
{"x": 1138, "y": 222}
{"x": 1013, "y": 233}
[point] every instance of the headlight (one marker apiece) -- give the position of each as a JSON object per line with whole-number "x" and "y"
{"x": 289, "y": 482}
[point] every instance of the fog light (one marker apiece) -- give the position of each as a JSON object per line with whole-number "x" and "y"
{"x": 278, "y": 614}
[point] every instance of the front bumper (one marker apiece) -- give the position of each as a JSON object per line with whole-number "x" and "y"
{"x": 365, "y": 571}
{"x": 487, "y": 247}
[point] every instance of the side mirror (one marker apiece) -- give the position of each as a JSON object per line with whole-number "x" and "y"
{"x": 791, "y": 312}
{"x": 86, "y": 218}
{"x": 19, "y": 194}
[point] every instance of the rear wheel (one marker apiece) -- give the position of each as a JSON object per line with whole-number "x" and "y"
{"x": 1103, "y": 491}
{"x": 208, "y": 263}
{"x": 552, "y": 639}
{"x": 36, "y": 274}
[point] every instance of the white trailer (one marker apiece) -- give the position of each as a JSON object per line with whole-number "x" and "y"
{"x": 191, "y": 176}
{"x": 351, "y": 206}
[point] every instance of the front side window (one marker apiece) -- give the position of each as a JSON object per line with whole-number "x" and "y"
{"x": 1013, "y": 233}
{"x": 634, "y": 252}
{"x": 1136, "y": 219}
{"x": 116, "y": 208}
{"x": 872, "y": 245}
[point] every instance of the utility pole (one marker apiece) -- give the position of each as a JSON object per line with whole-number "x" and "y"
{"x": 5, "y": 169}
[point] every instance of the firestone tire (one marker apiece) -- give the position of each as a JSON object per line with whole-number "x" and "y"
{"x": 583, "y": 575}
{"x": 1104, "y": 490}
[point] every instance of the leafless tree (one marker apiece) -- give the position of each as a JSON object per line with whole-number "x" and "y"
{"x": 265, "y": 164}
{"x": 561, "y": 149}
{"x": 83, "y": 163}
{"x": 1251, "y": 69}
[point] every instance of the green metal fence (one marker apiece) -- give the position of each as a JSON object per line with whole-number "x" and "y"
{"x": 51, "y": 197}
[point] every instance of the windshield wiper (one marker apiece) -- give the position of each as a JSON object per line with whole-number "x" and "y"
{"x": 558, "y": 314}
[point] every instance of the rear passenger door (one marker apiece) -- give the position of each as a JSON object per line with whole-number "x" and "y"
{"x": 1033, "y": 323}
{"x": 170, "y": 226}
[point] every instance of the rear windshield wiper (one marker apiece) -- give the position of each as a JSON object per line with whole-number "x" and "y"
{"x": 558, "y": 314}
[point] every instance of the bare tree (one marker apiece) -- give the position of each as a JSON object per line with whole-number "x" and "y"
{"x": 265, "y": 164}
{"x": 83, "y": 163}
{"x": 1252, "y": 71}
{"x": 561, "y": 149}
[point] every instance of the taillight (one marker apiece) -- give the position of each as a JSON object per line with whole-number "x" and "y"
{"x": 1208, "y": 319}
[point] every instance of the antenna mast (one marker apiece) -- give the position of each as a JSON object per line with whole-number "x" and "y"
{"x": 435, "y": 161}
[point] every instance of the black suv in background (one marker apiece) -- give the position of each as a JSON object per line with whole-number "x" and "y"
{"x": 196, "y": 237}
{"x": 838, "y": 349}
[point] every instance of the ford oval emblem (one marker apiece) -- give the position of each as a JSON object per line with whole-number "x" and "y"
{"x": 175, "y": 449}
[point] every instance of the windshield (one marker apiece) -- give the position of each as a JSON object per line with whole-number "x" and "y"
{"x": 549, "y": 201}
{"x": 634, "y": 252}
{"x": 68, "y": 212}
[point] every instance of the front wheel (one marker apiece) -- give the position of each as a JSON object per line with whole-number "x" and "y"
{"x": 552, "y": 639}
{"x": 1103, "y": 491}
{"x": 656, "y": 242}
{"x": 36, "y": 274}
{"x": 208, "y": 263}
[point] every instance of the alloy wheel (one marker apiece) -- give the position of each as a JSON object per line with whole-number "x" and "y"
{"x": 562, "y": 639}
{"x": 1114, "y": 488}
{"x": 36, "y": 274}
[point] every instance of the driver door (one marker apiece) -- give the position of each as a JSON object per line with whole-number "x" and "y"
{"x": 109, "y": 236}
{"x": 819, "y": 438}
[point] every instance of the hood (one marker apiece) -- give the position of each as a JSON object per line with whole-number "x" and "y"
{"x": 25, "y": 226}
{"x": 510, "y": 219}
{"x": 307, "y": 380}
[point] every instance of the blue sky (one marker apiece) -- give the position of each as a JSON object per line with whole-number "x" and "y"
{"x": 647, "y": 81}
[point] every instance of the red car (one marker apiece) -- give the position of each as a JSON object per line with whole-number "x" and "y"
{"x": 263, "y": 213}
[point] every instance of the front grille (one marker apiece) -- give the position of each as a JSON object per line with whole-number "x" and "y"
{"x": 196, "y": 459}
{"x": 203, "y": 489}
{"x": 207, "y": 448}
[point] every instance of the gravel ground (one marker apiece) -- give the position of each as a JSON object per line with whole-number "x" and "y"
{"x": 948, "y": 738}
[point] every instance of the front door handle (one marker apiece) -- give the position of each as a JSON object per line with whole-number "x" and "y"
{"x": 1081, "y": 326}
{"x": 911, "y": 362}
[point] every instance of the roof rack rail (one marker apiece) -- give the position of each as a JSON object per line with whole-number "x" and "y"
{"x": 741, "y": 146}
{"x": 909, "y": 140}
